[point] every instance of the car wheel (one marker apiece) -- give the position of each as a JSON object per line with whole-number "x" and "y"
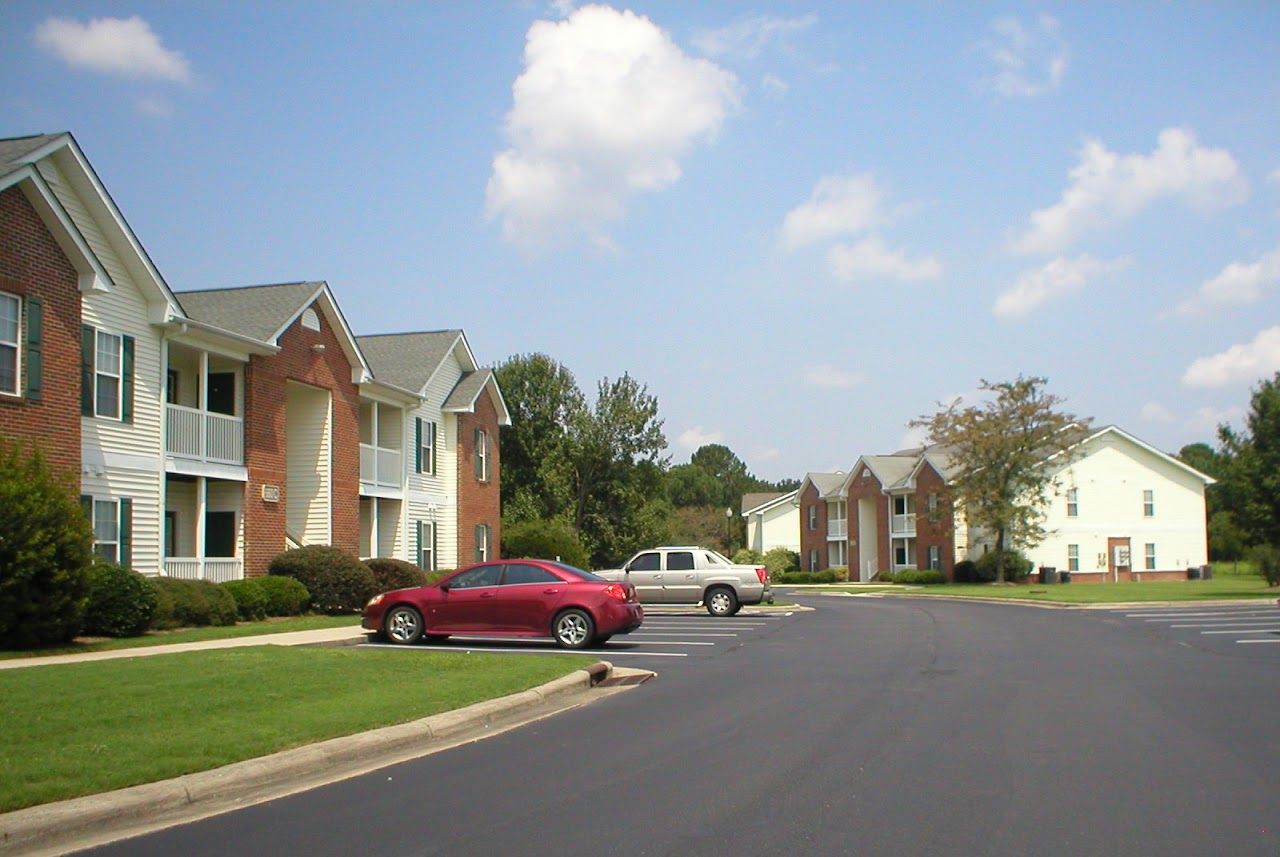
{"x": 403, "y": 625}
{"x": 573, "y": 629}
{"x": 721, "y": 602}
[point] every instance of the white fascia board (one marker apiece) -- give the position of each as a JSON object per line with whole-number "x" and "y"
{"x": 93, "y": 276}
{"x": 504, "y": 415}
{"x": 389, "y": 394}
{"x": 198, "y": 334}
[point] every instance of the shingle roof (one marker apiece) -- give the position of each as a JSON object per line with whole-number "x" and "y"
{"x": 254, "y": 311}
{"x": 14, "y": 149}
{"x": 407, "y": 360}
{"x": 466, "y": 390}
{"x": 892, "y": 470}
{"x": 826, "y": 483}
{"x": 750, "y": 501}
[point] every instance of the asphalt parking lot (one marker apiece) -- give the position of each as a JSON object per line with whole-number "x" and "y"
{"x": 1252, "y": 629}
{"x": 667, "y": 636}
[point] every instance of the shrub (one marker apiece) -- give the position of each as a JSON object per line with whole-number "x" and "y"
{"x": 920, "y": 576}
{"x": 389, "y": 574}
{"x": 746, "y": 556}
{"x": 539, "y": 538}
{"x": 337, "y": 582}
{"x": 884, "y": 576}
{"x": 46, "y": 546}
{"x": 841, "y": 572}
{"x": 121, "y": 602}
{"x": 1016, "y": 566}
{"x": 433, "y": 576}
{"x": 191, "y": 603}
{"x": 781, "y": 560}
{"x": 251, "y": 601}
{"x": 1266, "y": 559}
{"x": 827, "y": 575}
{"x": 965, "y": 571}
{"x": 285, "y": 596}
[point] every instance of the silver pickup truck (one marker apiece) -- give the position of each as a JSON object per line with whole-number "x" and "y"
{"x": 689, "y": 575}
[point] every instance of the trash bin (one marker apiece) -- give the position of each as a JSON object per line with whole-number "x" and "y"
{"x": 1193, "y": 573}
{"x": 1206, "y": 572}
{"x": 1064, "y": 577}
{"x": 1048, "y": 574}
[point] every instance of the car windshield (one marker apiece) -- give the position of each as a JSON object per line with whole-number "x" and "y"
{"x": 578, "y": 573}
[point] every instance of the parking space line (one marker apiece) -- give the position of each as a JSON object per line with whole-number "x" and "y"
{"x": 1221, "y": 623}
{"x": 684, "y": 634}
{"x": 1277, "y": 640}
{"x": 1156, "y": 617}
{"x": 674, "y": 643}
{"x": 1270, "y": 629}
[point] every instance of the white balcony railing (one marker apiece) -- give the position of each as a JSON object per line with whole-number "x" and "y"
{"x": 838, "y": 529}
{"x": 218, "y": 570}
{"x": 901, "y": 525}
{"x": 380, "y": 466}
{"x": 203, "y": 435}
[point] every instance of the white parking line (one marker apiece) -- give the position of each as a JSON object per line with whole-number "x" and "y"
{"x": 1156, "y": 617}
{"x": 684, "y": 633}
{"x": 673, "y": 643}
{"x": 1221, "y": 623}
{"x": 1277, "y": 640}
{"x": 1270, "y": 629}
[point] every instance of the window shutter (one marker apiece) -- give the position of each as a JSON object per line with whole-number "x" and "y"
{"x": 126, "y": 380}
{"x": 88, "y": 342}
{"x": 126, "y": 532}
{"x": 431, "y": 465}
{"x": 86, "y": 503}
{"x": 417, "y": 447}
{"x": 417, "y": 546}
{"x": 35, "y": 349}
{"x": 435, "y": 561}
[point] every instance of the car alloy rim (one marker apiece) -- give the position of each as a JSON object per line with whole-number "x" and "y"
{"x": 403, "y": 625}
{"x": 572, "y": 629}
{"x": 720, "y": 602}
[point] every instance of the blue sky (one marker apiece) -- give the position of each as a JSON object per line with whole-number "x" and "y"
{"x": 801, "y": 225}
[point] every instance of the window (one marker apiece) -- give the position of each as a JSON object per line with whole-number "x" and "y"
{"x": 1150, "y": 556}
{"x": 646, "y": 562}
{"x": 427, "y": 545}
{"x": 112, "y": 522}
{"x": 106, "y": 375}
{"x": 933, "y": 501}
{"x": 310, "y": 319}
{"x": 427, "y": 439}
{"x": 1148, "y": 504}
{"x": 482, "y": 455}
{"x": 1073, "y": 557}
{"x": 486, "y": 575}
{"x": 813, "y": 559}
{"x": 680, "y": 561}
{"x": 482, "y": 542}
{"x": 1073, "y": 505}
{"x": 106, "y": 386}
{"x": 813, "y": 517}
{"x": 10, "y": 313}
{"x": 518, "y": 573}
{"x": 901, "y": 552}
{"x": 935, "y": 557}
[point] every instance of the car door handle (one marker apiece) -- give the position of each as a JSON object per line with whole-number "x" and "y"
{"x": 486, "y": 594}
{"x": 551, "y": 591}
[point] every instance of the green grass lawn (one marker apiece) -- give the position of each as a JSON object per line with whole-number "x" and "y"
{"x": 77, "y": 729}
{"x": 194, "y": 635}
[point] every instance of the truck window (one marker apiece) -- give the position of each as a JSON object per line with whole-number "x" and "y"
{"x": 711, "y": 558}
{"x": 646, "y": 562}
{"x": 680, "y": 561}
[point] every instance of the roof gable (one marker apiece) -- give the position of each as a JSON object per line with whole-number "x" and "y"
{"x": 1116, "y": 431}
{"x": 409, "y": 360}
{"x": 462, "y": 399}
{"x": 764, "y": 501}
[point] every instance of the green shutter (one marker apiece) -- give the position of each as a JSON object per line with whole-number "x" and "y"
{"x": 126, "y": 532}
{"x": 417, "y": 446}
{"x": 417, "y": 557}
{"x": 126, "y": 382}
{"x": 35, "y": 349}
{"x": 435, "y": 555}
{"x": 86, "y": 503}
{"x": 431, "y": 465}
{"x": 88, "y": 344}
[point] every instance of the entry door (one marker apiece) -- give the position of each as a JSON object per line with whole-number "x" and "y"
{"x": 1119, "y": 558}
{"x": 221, "y": 393}
{"x": 219, "y": 534}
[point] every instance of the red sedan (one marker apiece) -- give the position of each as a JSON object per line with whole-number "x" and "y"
{"x": 519, "y": 598}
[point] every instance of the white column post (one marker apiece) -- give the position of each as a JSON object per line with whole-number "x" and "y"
{"x": 202, "y": 489}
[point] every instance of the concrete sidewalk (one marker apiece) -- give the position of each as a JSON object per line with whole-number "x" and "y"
{"x": 320, "y": 637}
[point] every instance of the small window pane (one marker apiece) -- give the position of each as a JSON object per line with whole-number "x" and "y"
{"x": 106, "y": 528}
{"x": 9, "y": 310}
{"x": 517, "y": 575}
{"x": 8, "y": 369}
{"x": 647, "y": 562}
{"x": 680, "y": 561}
{"x": 108, "y": 353}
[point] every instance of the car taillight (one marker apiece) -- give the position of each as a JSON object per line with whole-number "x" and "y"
{"x": 616, "y": 590}
{"x": 763, "y": 574}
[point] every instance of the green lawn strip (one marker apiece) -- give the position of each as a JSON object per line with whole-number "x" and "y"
{"x": 194, "y": 635}
{"x": 1113, "y": 593}
{"x": 77, "y": 729}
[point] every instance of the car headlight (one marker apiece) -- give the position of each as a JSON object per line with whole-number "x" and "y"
{"x": 375, "y": 601}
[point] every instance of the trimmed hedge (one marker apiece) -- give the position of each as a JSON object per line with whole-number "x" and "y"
{"x": 1016, "y": 566}
{"x": 920, "y": 576}
{"x": 781, "y": 560}
{"x": 251, "y": 601}
{"x": 827, "y": 575}
{"x": 965, "y": 571}
{"x": 121, "y": 602}
{"x": 338, "y": 582}
{"x": 285, "y": 596}
{"x": 191, "y": 603}
{"x": 389, "y": 574}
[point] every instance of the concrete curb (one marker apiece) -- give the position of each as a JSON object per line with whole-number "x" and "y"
{"x": 57, "y": 828}
{"x": 1059, "y": 605}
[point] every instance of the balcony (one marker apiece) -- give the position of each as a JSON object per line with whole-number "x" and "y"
{"x": 381, "y": 467}
{"x": 838, "y": 529}
{"x": 902, "y": 525}
{"x": 218, "y": 570}
{"x": 203, "y": 435}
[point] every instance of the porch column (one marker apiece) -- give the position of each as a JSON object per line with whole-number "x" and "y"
{"x": 203, "y": 404}
{"x": 202, "y": 488}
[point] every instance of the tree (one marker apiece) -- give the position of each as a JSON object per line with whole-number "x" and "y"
{"x": 999, "y": 450}
{"x": 1252, "y": 484}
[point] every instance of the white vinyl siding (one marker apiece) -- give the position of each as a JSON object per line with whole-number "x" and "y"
{"x": 10, "y": 338}
{"x": 309, "y": 463}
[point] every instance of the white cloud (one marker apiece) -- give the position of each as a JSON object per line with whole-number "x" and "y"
{"x": 606, "y": 107}
{"x": 774, "y": 85}
{"x": 1238, "y": 284}
{"x": 748, "y": 37}
{"x": 1059, "y": 277}
{"x": 1107, "y": 187}
{"x": 120, "y": 46}
{"x": 871, "y": 259}
{"x": 698, "y": 437}
{"x": 827, "y": 376}
{"x": 1154, "y": 412}
{"x": 1238, "y": 364}
{"x": 1028, "y": 61}
{"x": 839, "y": 205}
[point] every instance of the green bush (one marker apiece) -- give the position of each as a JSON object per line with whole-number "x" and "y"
{"x": 251, "y": 601}
{"x": 191, "y": 603}
{"x": 337, "y": 582}
{"x": 827, "y": 575}
{"x": 746, "y": 556}
{"x": 781, "y": 560}
{"x": 121, "y": 602}
{"x": 965, "y": 571}
{"x": 544, "y": 539}
{"x": 1266, "y": 559}
{"x": 884, "y": 576}
{"x": 841, "y": 572}
{"x": 389, "y": 574}
{"x": 920, "y": 576}
{"x": 285, "y": 596}
{"x": 1016, "y": 566}
{"x": 433, "y": 576}
{"x": 46, "y": 546}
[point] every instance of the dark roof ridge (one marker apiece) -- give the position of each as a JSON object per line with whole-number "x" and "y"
{"x": 254, "y": 286}
{"x": 410, "y": 333}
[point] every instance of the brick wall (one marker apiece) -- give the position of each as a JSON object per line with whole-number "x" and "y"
{"x": 32, "y": 265}
{"x": 816, "y": 538}
{"x": 868, "y": 488}
{"x": 478, "y": 502}
{"x": 937, "y": 529}
{"x": 266, "y": 390}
